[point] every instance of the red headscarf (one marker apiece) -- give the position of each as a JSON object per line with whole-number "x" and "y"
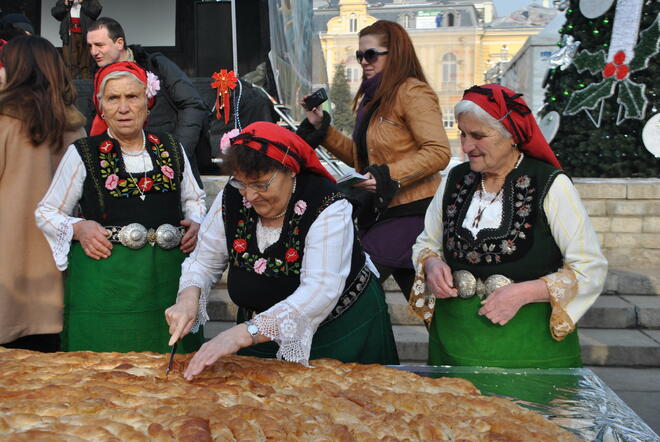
{"x": 283, "y": 146}
{"x": 98, "y": 125}
{"x": 510, "y": 109}
{"x": 2, "y": 43}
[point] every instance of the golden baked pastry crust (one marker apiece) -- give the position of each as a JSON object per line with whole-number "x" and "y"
{"x": 86, "y": 396}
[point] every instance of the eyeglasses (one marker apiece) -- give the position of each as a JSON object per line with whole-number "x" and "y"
{"x": 257, "y": 187}
{"x": 371, "y": 55}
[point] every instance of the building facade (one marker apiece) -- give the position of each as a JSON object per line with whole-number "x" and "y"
{"x": 457, "y": 42}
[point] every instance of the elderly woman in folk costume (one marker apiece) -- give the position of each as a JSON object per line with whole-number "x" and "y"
{"x": 295, "y": 266}
{"x": 508, "y": 258}
{"x": 141, "y": 210}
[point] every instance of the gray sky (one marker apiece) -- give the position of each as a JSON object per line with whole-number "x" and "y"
{"x": 504, "y": 7}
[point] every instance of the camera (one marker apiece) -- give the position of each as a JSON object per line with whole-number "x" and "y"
{"x": 315, "y": 99}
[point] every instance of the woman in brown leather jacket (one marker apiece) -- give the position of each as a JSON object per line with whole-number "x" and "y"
{"x": 398, "y": 142}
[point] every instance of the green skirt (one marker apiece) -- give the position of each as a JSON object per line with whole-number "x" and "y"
{"x": 460, "y": 336}
{"x": 118, "y": 304}
{"x": 361, "y": 334}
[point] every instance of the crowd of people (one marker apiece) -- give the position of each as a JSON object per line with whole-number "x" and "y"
{"x": 108, "y": 245}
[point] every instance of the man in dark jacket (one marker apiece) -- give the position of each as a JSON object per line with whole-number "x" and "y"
{"x": 179, "y": 109}
{"x": 75, "y": 16}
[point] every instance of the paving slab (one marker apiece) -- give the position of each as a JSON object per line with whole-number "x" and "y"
{"x": 647, "y": 309}
{"x": 610, "y": 312}
{"x": 411, "y": 342}
{"x": 618, "y": 348}
{"x": 653, "y": 334}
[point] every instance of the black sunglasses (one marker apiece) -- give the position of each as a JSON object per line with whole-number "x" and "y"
{"x": 371, "y": 55}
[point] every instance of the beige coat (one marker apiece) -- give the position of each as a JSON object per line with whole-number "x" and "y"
{"x": 30, "y": 284}
{"x": 411, "y": 140}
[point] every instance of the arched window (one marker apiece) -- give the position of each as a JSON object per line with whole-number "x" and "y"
{"x": 449, "y": 73}
{"x": 406, "y": 21}
{"x": 450, "y": 19}
{"x": 352, "y": 23}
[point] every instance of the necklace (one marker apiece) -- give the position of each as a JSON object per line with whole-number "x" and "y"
{"x": 144, "y": 166}
{"x": 482, "y": 209}
{"x": 280, "y": 215}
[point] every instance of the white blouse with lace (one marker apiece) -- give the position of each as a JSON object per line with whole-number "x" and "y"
{"x": 574, "y": 288}
{"x": 326, "y": 264}
{"x": 53, "y": 213}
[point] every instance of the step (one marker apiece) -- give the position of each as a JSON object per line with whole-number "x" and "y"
{"x": 608, "y": 312}
{"x": 633, "y": 282}
{"x": 601, "y": 347}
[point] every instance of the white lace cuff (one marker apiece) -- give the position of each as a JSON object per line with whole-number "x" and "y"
{"x": 62, "y": 244}
{"x": 420, "y": 303}
{"x": 202, "y": 314}
{"x": 291, "y": 330}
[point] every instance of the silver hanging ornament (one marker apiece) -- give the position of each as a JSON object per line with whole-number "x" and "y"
{"x": 563, "y": 57}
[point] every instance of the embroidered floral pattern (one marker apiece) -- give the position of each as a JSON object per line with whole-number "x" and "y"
{"x": 494, "y": 250}
{"x": 290, "y": 263}
{"x": 161, "y": 180}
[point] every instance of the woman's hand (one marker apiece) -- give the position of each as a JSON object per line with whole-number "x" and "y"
{"x": 439, "y": 279}
{"x": 93, "y": 238}
{"x": 181, "y": 316}
{"x": 368, "y": 184}
{"x": 314, "y": 115}
{"x": 503, "y": 304}
{"x": 189, "y": 240}
{"x": 226, "y": 343}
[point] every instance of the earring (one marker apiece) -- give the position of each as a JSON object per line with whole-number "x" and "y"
{"x": 148, "y": 111}
{"x": 103, "y": 116}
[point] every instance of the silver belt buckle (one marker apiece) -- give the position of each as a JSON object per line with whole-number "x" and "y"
{"x": 168, "y": 237}
{"x": 133, "y": 236}
{"x": 468, "y": 286}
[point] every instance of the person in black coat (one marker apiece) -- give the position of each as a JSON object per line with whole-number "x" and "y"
{"x": 75, "y": 16}
{"x": 179, "y": 109}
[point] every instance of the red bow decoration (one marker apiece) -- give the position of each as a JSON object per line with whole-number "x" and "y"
{"x": 223, "y": 82}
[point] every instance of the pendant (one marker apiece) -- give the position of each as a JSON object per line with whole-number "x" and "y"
{"x": 142, "y": 197}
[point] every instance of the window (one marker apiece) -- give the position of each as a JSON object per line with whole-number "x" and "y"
{"x": 352, "y": 23}
{"x": 448, "y": 120}
{"x": 450, "y": 19}
{"x": 449, "y": 74}
{"x": 353, "y": 74}
{"x": 406, "y": 21}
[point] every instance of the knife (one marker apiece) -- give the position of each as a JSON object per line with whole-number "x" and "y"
{"x": 169, "y": 363}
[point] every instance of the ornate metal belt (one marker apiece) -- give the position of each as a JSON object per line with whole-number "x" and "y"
{"x": 135, "y": 236}
{"x": 468, "y": 286}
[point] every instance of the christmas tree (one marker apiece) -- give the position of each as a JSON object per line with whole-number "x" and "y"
{"x": 605, "y": 97}
{"x": 342, "y": 116}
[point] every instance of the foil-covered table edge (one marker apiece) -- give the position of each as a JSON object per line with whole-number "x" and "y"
{"x": 574, "y": 398}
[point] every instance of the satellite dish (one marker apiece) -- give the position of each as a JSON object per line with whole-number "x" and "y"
{"x": 651, "y": 135}
{"x": 595, "y": 8}
{"x": 549, "y": 125}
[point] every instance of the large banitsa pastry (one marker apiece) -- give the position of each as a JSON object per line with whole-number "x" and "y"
{"x": 87, "y": 396}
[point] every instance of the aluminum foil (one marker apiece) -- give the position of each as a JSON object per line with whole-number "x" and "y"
{"x": 574, "y": 398}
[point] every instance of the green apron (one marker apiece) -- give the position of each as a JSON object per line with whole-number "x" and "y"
{"x": 460, "y": 336}
{"x": 361, "y": 334}
{"x": 118, "y": 304}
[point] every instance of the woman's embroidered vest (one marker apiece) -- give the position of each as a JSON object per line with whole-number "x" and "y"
{"x": 256, "y": 280}
{"x": 111, "y": 196}
{"x": 522, "y": 248}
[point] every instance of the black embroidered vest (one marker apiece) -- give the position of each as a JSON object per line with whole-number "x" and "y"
{"x": 257, "y": 281}
{"x": 111, "y": 196}
{"x": 522, "y": 248}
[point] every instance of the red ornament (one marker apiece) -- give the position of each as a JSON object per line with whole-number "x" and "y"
{"x": 154, "y": 139}
{"x": 240, "y": 245}
{"x": 619, "y": 57}
{"x": 609, "y": 70}
{"x": 145, "y": 184}
{"x": 224, "y": 81}
{"x": 622, "y": 72}
{"x": 291, "y": 255}
{"x": 106, "y": 146}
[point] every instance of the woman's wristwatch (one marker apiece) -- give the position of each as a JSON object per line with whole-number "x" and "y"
{"x": 253, "y": 329}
